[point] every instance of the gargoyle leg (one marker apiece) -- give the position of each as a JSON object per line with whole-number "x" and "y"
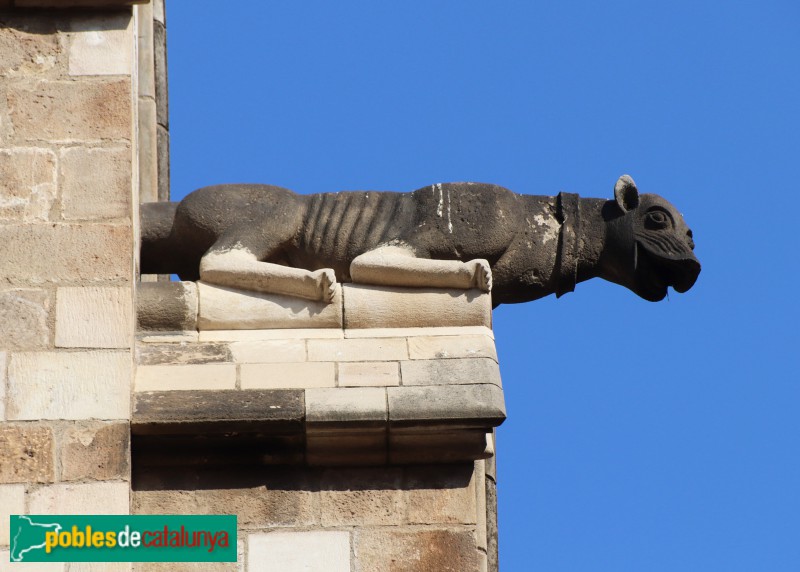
{"x": 238, "y": 267}
{"x": 394, "y": 265}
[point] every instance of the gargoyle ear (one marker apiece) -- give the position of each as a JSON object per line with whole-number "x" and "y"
{"x": 626, "y": 194}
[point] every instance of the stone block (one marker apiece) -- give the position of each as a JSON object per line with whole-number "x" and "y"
{"x": 383, "y": 349}
{"x": 94, "y": 317}
{"x": 27, "y": 184}
{"x": 57, "y": 253}
{"x": 386, "y": 307}
{"x": 95, "y": 183}
{"x": 80, "y": 498}
{"x": 411, "y": 332}
{"x": 185, "y": 377}
{"x": 3, "y": 361}
{"x": 69, "y": 385}
{"x": 24, "y": 317}
{"x": 345, "y": 407}
{"x": 12, "y": 501}
{"x": 26, "y": 453}
{"x": 450, "y": 372}
{"x": 182, "y": 354}
{"x": 278, "y": 334}
{"x": 362, "y": 497}
{"x": 458, "y": 405}
{"x": 101, "y": 45}
{"x": 436, "y": 445}
{"x": 162, "y": 152}
{"x": 437, "y": 494}
{"x": 445, "y": 347}
{"x": 269, "y": 351}
{"x": 449, "y": 550}
{"x": 314, "y": 551}
{"x": 371, "y": 373}
{"x": 346, "y": 447}
{"x": 30, "y": 47}
{"x": 32, "y": 566}
{"x": 480, "y": 503}
{"x": 166, "y": 306}
{"x": 69, "y": 111}
{"x": 224, "y": 308}
{"x": 148, "y": 150}
{"x": 95, "y": 451}
{"x": 160, "y": 71}
{"x": 287, "y": 375}
{"x": 169, "y": 338}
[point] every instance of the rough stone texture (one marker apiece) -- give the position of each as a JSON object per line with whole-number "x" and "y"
{"x": 491, "y": 525}
{"x": 3, "y": 361}
{"x": 268, "y": 351}
{"x": 27, "y": 453}
{"x": 443, "y": 347}
{"x": 449, "y": 550}
{"x": 387, "y": 307}
{"x": 414, "y": 332}
{"x": 94, "y": 317}
{"x": 480, "y": 503}
{"x": 101, "y": 45}
{"x": 95, "y": 451}
{"x": 69, "y": 385}
{"x": 434, "y": 444}
{"x": 99, "y": 567}
{"x": 32, "y": 566}
{"x": 185, "y": 377}
{"x": 180, "y": 353}
{"x": 459, "y": 404}
{"x": 12, "y": 501}
{"x": 440, "y": 495}
{"x": 166, "y": 306}
{"x": 365, "y": 374}
{"x": 27, "y": 183}
{"x": 28, "y": 47}
{"x": 95, "y": 183}
{"x": 68, "y": 111}
{"x": 341, "y": 407}
{"x": 38, "y": 254}
{"x": 85, "y": 498}
{"x": 282, "y": 334}
{"x": 362, "y": 497}
{"x": 24, "y": 319}
{"x": 450, "y": 372}
{"x": 385, "y": 349}
{"x": 224, "y": 308}
{"x": 315, "y": 551}
{"x": 287, "y": 375}
{"x": 346, "y": 447}
{"x": 148, "y": 150}
{"x": 162, "y": 149}
{"x": 186, "y": 567}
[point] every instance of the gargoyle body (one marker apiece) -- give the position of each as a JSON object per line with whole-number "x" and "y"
{"x": 450, "y": 235}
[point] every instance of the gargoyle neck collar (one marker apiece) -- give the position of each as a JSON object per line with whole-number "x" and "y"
{"x": 569, "y": 215}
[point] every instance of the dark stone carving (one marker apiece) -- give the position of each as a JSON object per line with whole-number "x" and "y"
{"x": 453, "y": 235}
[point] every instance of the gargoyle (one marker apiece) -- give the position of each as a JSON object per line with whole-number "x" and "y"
{"x": 449, "y": 235}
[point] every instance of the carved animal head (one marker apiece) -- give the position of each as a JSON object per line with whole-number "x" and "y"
{"x": 651, "y": 244}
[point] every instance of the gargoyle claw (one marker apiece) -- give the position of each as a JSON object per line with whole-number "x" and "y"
{"x": 326, "y": 284}
{"x": 482, "y": 274}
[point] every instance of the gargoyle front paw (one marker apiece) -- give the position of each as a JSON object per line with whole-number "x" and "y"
{"x": 325, "y": 280}
{"x": 482, "y": 274}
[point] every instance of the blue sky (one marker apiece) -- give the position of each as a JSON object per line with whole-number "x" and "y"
{"x": 641, "y": 436}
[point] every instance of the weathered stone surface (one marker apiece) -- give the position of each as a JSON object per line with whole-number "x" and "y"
{"x": 362, "y": 497}
{"x": 3, "y": 361}
{"x": 450, "y": 550}
{"x": 80, "y": 498}
{"x": 12, "y": 501}
{"x": 181, "y": 353}
{"x": 166, "y": 306}
{"x": 45, "y": 253}
{"x": 450, "y": 371}
{"x": 224, "y": 308}
{"x": 27, "y": 183}
{"x": 24, "y": 319}
{"x": 343, "y": 407}
{"x": 95, "y": 183}
{"x": 412, "y": 332}
{"x": 346, "y": 447}
{"x": 299, "y": 551}
{"x": 27, "y": 453}
{"x": 94, "y": 317}
{"x": 480, "y": 503}
{"x": 95, "y": 451}
{"x": 148, "y": 151}
{"x": 436, "y": 445}
{"x": 101, "y": 45}
{"x": 268, "y": 351}
{"x": 384, "y": 349}
{"x": 287, "y": 375}
{"x": 66, "y": 111}
{"x": 437, "y": 494}
{"x": 162, "y": 150}
{"x": 185, "y": 377}
{"x": 69, "y": 385}
{"x": 32, "y": 566}
{"x": 176, "y": 338}
{"x": 491, "y": 525}
{"x": 100, "y": 567}
{"x": 365, "y": 374}
{"x": 160, "y": 71}
{"x": 443, "y": 347}
{"x": 29, "y": 47}
{"x": 278, "y": 334}
{"x": 185, "y": 567}
{"x": 447, "y": 405}
{"x": 392, "y": 307}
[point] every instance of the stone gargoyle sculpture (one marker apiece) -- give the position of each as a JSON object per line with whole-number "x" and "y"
{"x": 450, "y": 235}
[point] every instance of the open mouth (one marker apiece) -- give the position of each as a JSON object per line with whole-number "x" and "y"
{"x": 655, "y": 274}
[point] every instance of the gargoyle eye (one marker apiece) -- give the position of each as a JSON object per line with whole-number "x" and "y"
{"x": 657, "y": 219}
